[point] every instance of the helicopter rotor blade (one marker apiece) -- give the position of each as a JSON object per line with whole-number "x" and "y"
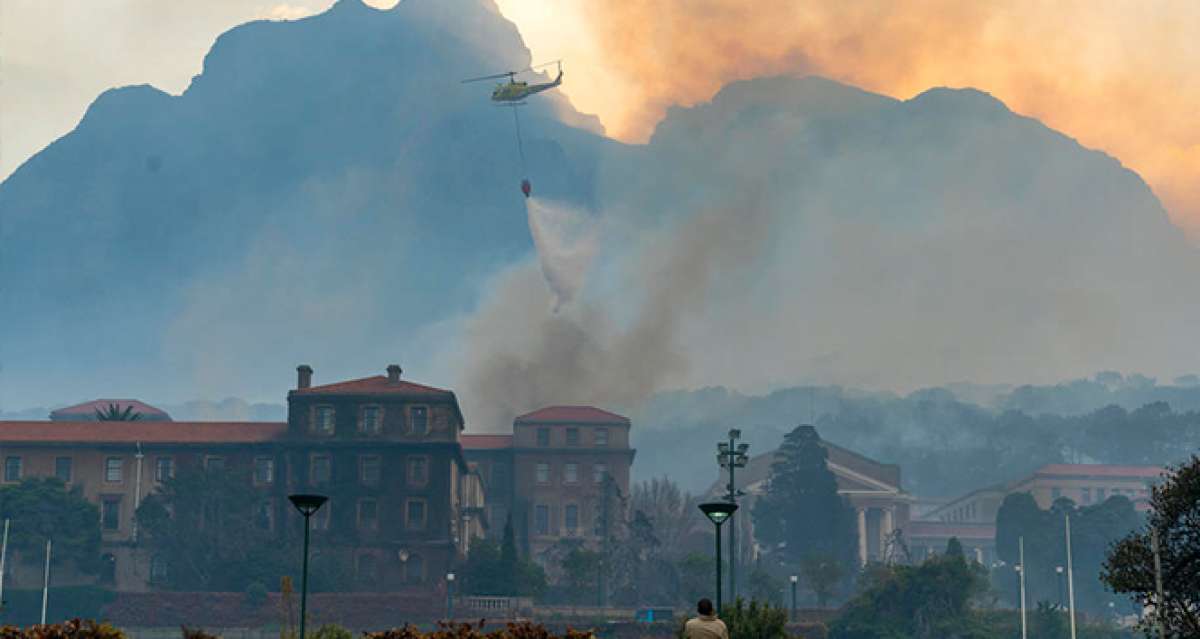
{"x": 495, "y": 76}
{"x": 545, "y": 64}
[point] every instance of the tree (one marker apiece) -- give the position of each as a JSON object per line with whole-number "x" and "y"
{"x": 764, "y": 586}
{"x": 581, "y": 570}
{"x": 800, "y": 511}
{"x": 496, "y": 569}
{"x": 697, "y": 576}
{"x": 1175, "y": 518}
{"x": 672, "y": 512}
{"x": 822, "y": 575}
{"x": 932, "y": 600}
{"x": 113, "y": 413}
{"x": 42, "y": 508}
{"x": 213, "y": 534}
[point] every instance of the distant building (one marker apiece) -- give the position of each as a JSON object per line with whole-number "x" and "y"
{"x": 86, "y": 412}
{"x": 550, "y": 474}
{"x": 872, "y": 488}
{"x": 385, "y": 450}
{"x": 972, "y": 517}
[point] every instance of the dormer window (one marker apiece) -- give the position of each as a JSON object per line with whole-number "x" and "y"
{"x": 371, "y": 420}
{"x": 418, "y": 419}
{"x": 322, "y": 422}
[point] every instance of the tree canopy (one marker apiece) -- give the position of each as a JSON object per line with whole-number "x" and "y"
{"x": 1175, "y": 518}
{"x": 42, "y": 508}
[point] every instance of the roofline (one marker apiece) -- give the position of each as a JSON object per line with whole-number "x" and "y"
{"x": 441, "y": 396}
{"x": 555, "y": 422}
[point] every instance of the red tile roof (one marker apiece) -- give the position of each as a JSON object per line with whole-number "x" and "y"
{"x": 572, "y": 415}
{"x": 486, "y": 442}
{"x": 148, "y": 432}
{"x": 377, "y": 384}
{"x": 1100, "y": 470}
{"x": 88, "y": 409}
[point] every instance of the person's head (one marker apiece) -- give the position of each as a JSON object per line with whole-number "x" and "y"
{"x": 704, "y": 607}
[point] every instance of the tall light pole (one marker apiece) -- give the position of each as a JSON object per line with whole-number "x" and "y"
{"x": 450, "y": 596}
{"x": 1070, "y": 576}
{"x": 732, "y": 455}
{"x": 717, "y": 512}
{"x": 307, "y": 505}
{"x": 793, "y": 579}
{"x": 1058, "y": 570}
{"x": 46, "y": 583}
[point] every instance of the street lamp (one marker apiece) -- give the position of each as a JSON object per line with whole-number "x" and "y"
{"x": 732, "y": 455}
{"x": 793, "y": 579}
{"x": 717, "y": 512}
{"x": 450, "y": 596}
{"x": 307, "y": 505}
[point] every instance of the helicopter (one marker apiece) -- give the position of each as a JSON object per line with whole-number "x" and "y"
{"x": 511, "y": 94}
{"x": 513, "y": 91}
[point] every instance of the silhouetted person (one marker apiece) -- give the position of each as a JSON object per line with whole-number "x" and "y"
{"x": 705, "y": 626}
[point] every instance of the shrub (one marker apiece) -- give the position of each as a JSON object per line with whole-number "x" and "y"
{"x": 74, "y": 629}
{"x": 452, "y": 630}
{"x": 196, "y": 633}
{"x": 332, "y": 631}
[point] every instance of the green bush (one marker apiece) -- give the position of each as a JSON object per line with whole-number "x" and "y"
{"x": 332, "y": 631}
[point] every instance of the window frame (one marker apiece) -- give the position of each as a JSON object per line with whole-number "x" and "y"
{"x": 313, "y": 458}
{"x": 600, "y": 438}
{"x": 70, "y": 461}
{"x": 541, "y": 515}
{"x": 214, "y": 463}
{"x": 408, "y": 504}
{"x": 115, "y": 502}
{"x": 14, "y": 461}
{"x": 598, "y": 471}
{"x": 108, "y": 470}
{"x": 543, "y": 437}
{"x": 570, "y": 477}
{"x": 541, "y": 473}
{"x": 569, "y": 529}
{"x": 316, "y": 425}
{"x": 362, "y": 470}
{"x": 573, "y": 436}
{"x": 270, "y": 479}
{"x": 412, "y": 427}
{"x": 158, "y": 463}
{"x": 358, "y": 516}
{"x": 408, "y": 470}
{"x": 362, "y": 419}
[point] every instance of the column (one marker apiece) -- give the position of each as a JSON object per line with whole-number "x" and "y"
{"x": 885, "y": 528}
{"x": 862, "y": 536}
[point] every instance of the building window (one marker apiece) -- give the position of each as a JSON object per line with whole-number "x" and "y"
{"x": 541, "y": 519}
{"x": 214, "y": 464}
{"x": 158, "y": 570}
{"x": 571, "y": 473}
{"x": 164, "y": 468}
{"x": 264, "y": 470}
{"x": 321, "y": 518}
{"x": 418, "y": 418}
{"x": 571, "y": 518}
{"x": 323, "y": 420}
{"x": 418, "y": 471}
{"x": 572, "y": 436}
{"x": 110, "y": 513}
{"x": 371, "y": 420}
{"x": 543, "y": 437}
{"x": 265, "y": 516}
{"x": 368, "y": 514}
{"x": 112, "y": 469}
{"x": 1087, "y": 496}
{"x": 414, "y": 569}
{"x": 62, "y": 469}
{"x": 601, "y": 436}
{"x": 1055, "y": 493}
{"x": 543, "y": 473}
{"x": 12, "y": 469}
{"x": 366, "y": 568}
{"x": 369, "y": 469}
{"x": 319, "y": 470}
{"x": 414, "y": 515}
{"x": 598, "y": 472}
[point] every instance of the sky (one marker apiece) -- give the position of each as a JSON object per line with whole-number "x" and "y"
{"x": 1118, "y": 75}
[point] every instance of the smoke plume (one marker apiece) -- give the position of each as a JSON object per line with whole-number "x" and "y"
{"x": 565, "y": 241}
{"x": 1118, "y": 76}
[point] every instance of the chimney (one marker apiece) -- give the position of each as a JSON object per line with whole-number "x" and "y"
{"x": 303, "y": 376}
{"x": 394, "y": 374}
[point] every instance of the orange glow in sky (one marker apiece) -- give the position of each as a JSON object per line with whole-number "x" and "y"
{"x": 1119, "y": 76}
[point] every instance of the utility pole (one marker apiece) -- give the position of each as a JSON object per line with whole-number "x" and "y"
{"x": 1021, "y": 574}
{"x": 3, "y": 557}
{"x": 732, "y": 455}
{"x": 1070, "y": 577}
{"x": 46, "y": 583}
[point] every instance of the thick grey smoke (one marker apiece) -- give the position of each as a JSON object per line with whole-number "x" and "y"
{"x": 616, "y": 348}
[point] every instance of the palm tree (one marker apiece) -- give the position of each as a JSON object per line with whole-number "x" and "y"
{"x": 114, "y": 414}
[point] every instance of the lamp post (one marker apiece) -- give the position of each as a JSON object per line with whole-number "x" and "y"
{"x": 793, "y": 579}
{"x": 732, "y": 455}
{"x": 307, "y": 505}
{"x": 1059, "y": 571}
{"x": 450, "y": 596}
{"x": 717, "y": 512}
